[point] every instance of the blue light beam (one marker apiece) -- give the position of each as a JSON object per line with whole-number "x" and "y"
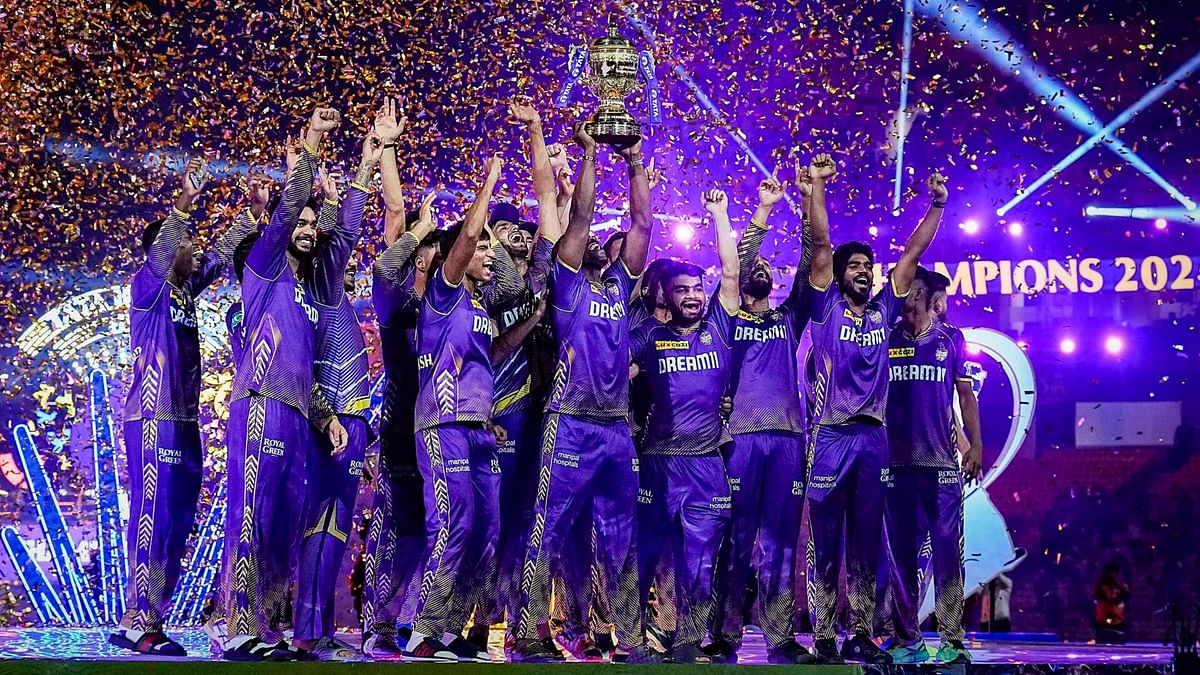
{"x": 110, "y": 530}
{"x": 80, "y": 608}
{"x": 1171, "y": 213}
{"x": 1002, "y": 50}
{"x": 41, "y": 593}
{"x": 902, "y": 111}
{"x": 1104, "y": 135}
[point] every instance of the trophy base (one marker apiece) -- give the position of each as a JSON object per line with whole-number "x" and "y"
{"x": 614, "y": 130}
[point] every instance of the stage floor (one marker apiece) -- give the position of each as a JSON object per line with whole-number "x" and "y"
{"x": 51, "y": 651}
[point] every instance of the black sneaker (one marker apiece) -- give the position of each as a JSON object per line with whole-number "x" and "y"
{"x": 790, "y": 653}
{"x": 523, "y": 650}
{"x": 826, "y": 652}
{"x": 605, "y": 642}
{"x": 382, "y": 644}
{"x": 552, "y": 647}
{"x": 863, "y": 649}
{"x": 429, "y": 649}
{"x": 689, "y": 654}
{"x": 659, "y": 638}
{"x": 721, "y": 651}
{"x": 466, "y": 650}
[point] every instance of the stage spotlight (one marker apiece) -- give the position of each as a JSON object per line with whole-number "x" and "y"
{"x": 970, "y": 226}
{"x": 1067, "y": 345}
{"x": 967, "y": 21}
{"x": 1113, "y": 344}
{"x": 974, "y": 349}
{"x": 1160, "y": 223}
{"x": 684, "y": 233}
{"x": 873, "y": 231}
{"x": 1016, "y": 229}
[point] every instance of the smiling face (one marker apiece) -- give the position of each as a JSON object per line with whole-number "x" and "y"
{"x": 304, "y": 237}
{"x": 348, "y": 275}
{"x": 518, "y": 243}
{"x": 761, "y": 280}
{"x": 480, "y": 268}
{"x": 858, "y": 278}
{"x": 594, "y": 257}
{"x": 685, "y": 298}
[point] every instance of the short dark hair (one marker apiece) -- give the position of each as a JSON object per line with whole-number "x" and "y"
{"x": 151, "y": 233}
{"x": 842, "y": 254}
{"x": 451, "y": 235}
{"x": 679, "y": 268}
{"x": 432, "y": 240}
{"x": 937, "y": 282}
{"x": 242, "y": 252}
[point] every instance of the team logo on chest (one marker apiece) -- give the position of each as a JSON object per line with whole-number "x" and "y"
{"x": 941, "y": 353}
{"x": 705, "y": 338}
{"x": 874, "y": 316}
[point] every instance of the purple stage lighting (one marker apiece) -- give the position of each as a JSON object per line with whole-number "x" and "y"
{"x": 1016, "y": 229}
{"x": 684, "y": 233}
{"x": 1067, "y": 345}
{"x": 970, "y": 226}
{"x": 873, "y": 231}
{"x": 1160, "y": 223}
{"x": 1113, "y": 344}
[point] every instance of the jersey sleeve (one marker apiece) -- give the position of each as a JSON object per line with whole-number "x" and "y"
{"x": 819, "y": 302}
{"x": 539, "y": 264}
{"x": 960, "y": 356}
{"x": 334, "y": 255}
{"x": 393, "y": 277}
{"x": 639, "y": 343}
{"x": 506, "y": 284}
{"x": 566, "y": 286}
{"x": 794, "y": 304}
{"x": 221, "y": 257}
{"x": 719, "y": 318}
{"x": 890, "y": 303}
{"x": 268, "y": 256}
{"x": 440, "y": 295}
{"x": 617, "y": 273}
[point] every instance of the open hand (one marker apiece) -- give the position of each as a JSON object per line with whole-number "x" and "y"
{"x": 389, "y": 124}
{"x": 521, "y": 110}
{"x": 195, "y": 176}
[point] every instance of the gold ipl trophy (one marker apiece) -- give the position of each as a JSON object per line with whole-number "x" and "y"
{"x": 614, "y": 70}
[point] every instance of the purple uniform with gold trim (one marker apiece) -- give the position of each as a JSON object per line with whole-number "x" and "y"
{"x": 588, "y": 464}
{"x": 684, "y": 498}
{"x": 343, "y": 378}
{"x": 395, "y": 548}
{"x": 269, "y": 433}
{"x": 924, "y": 495}
{"x": 765, "y": 461}
{"x": 456, "y": 451}
{"x": 161, "y": 428}
{"x": 519, "y": 397}
{"x": 848, "y": 453}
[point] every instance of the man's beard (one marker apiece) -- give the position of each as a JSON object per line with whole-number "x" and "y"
{"x": 758, "y": 288}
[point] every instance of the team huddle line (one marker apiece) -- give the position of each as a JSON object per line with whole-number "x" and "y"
{"x": 567, "y": 426}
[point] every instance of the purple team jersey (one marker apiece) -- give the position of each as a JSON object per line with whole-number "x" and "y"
{"x": 921, "y": 425}
{"x": 850, "y": 352}
{"x": 513, "y": 376}
{"x": 235, "y": 324}
{"x": 591, "y": 324}
{"x": 766, "y": 393}
{"x": 163, "y": 333}
{"x": 686, "y": 376}
{"x": 454, "y": 343}
{"x": 279, "y": 316}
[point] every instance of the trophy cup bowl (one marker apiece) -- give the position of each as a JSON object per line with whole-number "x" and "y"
{"x": 613, "y": 75}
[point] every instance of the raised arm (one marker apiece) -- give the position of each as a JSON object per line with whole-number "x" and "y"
{"x": 464, "y": 247}
{"x": 269, "y": 254}
{"x": 821, "y": 169}
{"x": 331, "y": 195}
{"x": 800, "y": 284}
{"x": 730, "y": 291}
{"x": 919, "y": 241}
{"x": 637, "y": 241}
{"x": 160, "y": 256}
{"x": 507, "y": 284}
{"x": 770, "y": 192}
{"x": 390, "y": 126}
{"x": 549, "y": 225}
{"x": 331, "y": 268}
{"x": 583, "y": 204}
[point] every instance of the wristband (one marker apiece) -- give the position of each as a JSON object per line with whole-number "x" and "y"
{"x": 181, "y": 213}
{"x": 311, "y": 150}
{"x": 937, "y": 204}
{"x": 758, "y": 224}
{"x": 589, "y": 158}
{"x": 389, "y": 145}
